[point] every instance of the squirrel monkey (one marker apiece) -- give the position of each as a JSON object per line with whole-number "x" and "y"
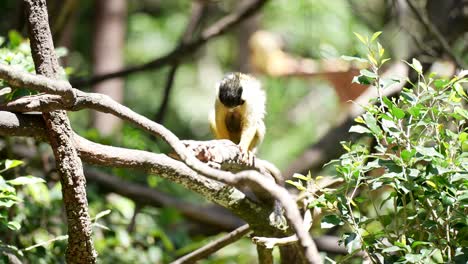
{"x": 239, "y": 111}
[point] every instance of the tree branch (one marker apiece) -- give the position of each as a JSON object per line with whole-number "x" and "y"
{"x": 220, "y": 27}
{"x": 80, "y": 247}
{"x": 251, "y": 178}
{"x": 436, "y": 34}
{"x": 31, "y": 125}
{"x": 214, "y": 246}
{"x": 213, "y": 215}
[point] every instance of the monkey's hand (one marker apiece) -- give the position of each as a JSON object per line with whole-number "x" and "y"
{"x": 247, "y": 156}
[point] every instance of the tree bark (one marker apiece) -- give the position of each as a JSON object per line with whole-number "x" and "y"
{"x": 80, "y": 247}
{"x": 109, "y": 40}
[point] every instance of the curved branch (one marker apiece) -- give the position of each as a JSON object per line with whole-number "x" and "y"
{"x": 251, "y": 178}
{"x": 32, "y": 125}
{"x": 214, "y": 246}
{"x": 213, "y": 215}
{"x": 215, "y": 30}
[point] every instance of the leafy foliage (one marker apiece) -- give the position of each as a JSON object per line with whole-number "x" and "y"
{"x": 9, "y": 199}
{"x": 405, "y": 197}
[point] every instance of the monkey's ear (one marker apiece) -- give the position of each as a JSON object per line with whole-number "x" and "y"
{"x": 242, "y": 101}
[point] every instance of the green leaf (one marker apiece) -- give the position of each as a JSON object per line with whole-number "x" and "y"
{"x": 298, "y": 185}
{"x": 352, "y": 242}
{"x": 461, "y": 112}
{"x": 101, "y": 214}
{"x": 352, "y": 58}
{"x": 459, "y": 89}
{"x": 418, "y": 243}
{"x": 440, "y": 83}
{"x": 7, "y": 203}
{"x": 369, "y": 74}
{"x": 398, "y": 112}
{"x": 359, "y": 120}
{"x": 430, "y": 152}
{"x": 384, "y": 61}
{"x": 431, "y": 183}
{"x": 375, "y": 36}
{"x": 381, "y": 49}
{"x": 416, "y": 65}
{"x": 406, "y": 155}
{"x": 9, "y": 164}
{"x": 13, "y": 225}
{"x": 5, "y": 90}
{"x": 392, "y": 249}
{"x": 101, "y": 226}
{"x": 330, "y": 221}
{"x": 371, "y": 122}
{"x": 25, "y": 180}
{"x": 359, "y": 129}
{"x": 15, "y": 38}
{"x": 414, "y": 111}
{"x": 414, "y": 258}
{"x": 361, "y": 38}
{"x": 302, "y": 177}
{"x": 372, "y": 59}
{"x": 364, "y": 80}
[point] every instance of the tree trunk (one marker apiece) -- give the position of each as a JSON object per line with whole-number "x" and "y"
{"x": 108, "y": 43}
{"x": 80, "y": 247}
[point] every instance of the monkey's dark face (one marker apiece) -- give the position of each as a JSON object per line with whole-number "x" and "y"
{"x": 230, "y": 91}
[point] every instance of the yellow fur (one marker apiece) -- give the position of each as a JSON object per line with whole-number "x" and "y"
{"x": 242, "y": 124}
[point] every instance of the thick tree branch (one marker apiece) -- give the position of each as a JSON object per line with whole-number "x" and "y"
{"x": 18, "y": 78}
{"x": 251, "y": 178}
{"x": 221, "y": 26}
{"x": 213, "y": 215}
{"x": 31, "y": 125}
{"x": 80, "y": 247}
{"x": 214, "y": 246}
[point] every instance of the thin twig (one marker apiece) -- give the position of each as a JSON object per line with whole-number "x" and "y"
{"x": 214, "y": 246}
{"x": 136, "y": 211}
{"x": 436, "y": 34}
{"x": 221, "y": 26}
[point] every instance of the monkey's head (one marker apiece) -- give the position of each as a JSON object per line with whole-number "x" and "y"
{"x": 230, "y": 89}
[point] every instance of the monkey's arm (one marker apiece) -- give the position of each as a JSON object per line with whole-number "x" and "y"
{"x": 218, "y": 123}
{"x": 249, "y": 131}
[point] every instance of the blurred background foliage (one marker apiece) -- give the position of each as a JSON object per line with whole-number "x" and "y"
{"x": 299, "y": 110}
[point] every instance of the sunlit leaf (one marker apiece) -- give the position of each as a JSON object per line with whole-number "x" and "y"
{"x": 25, "y": 180}
{"x": 10, "y": 164}
{"x": 361, "y": 38}
{"x": 13, "y": 225}
{"x": 351, "y": 58}
{"x": 330, "y": 221}
{"x": 101, "y": 214}
{"x": 359, "y": 129}
{"x": 375, "y": 36}
{"x": 416, "y": 65}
